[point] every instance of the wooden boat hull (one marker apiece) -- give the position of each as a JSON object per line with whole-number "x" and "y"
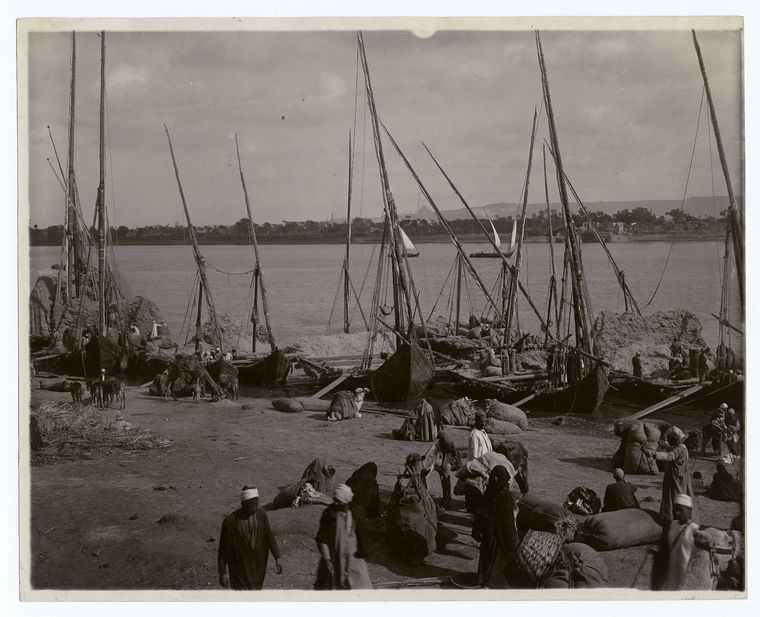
{"x": 100, "y": 353}
{"x": 491, "y": 255}
{"x": 403, "y": 376}
{"x": 583, "y": 397}
{"x": 269, "y": 371}
{"x": 645, "y": 392}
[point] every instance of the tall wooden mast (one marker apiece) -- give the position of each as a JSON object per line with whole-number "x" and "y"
{"x": 512, "y": 292}
{"x": 101, "y": 203}
{"x": 74, "y": 250}
{"x": 733, "y": 211}
{"x": 200, "y": 262}
{"x": 403, "y": 292}
{"x": 346, "y": 260}
{"x": 259, "y": 278}
{"x": 580, "y": 304}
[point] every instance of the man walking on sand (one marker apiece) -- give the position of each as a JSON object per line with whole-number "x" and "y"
{"x": 244, "y": 545}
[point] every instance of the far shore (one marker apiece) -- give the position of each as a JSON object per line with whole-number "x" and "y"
{"x": 431, "y": 239}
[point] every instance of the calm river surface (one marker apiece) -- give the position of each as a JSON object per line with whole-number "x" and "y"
{"x": 301, "y": 280}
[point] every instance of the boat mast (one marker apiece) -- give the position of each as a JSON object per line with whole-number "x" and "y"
{"x": 553, "y": 279}
{"x": 580, "y": 306}
{"x": 512, "y": 293}
{"x": 198, "y": 320}
{"x": 399, "y": 266}
{"x": 200, "y": 262}
{"x": 346, "y": 262}
{"x": 487, "y": 236}
{"x": 101, "y": 204}
{"x": 733, "y": 212}
{"x": 72, "y": 228}
{"x": 257, "y": 268}
{"x": 454, "y": 240}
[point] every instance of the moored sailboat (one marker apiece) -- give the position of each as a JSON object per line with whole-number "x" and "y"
{"x": 496, "y": 254}
{"x": 84, "y": 316}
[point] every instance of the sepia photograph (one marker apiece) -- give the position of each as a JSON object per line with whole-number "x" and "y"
{"x": 452, "y": 307}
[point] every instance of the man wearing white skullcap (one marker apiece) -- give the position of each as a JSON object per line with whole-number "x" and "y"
{"x": 680, "y": 542}
{"x": 677, "y": 479}
{"x": 245, "y": 542}
{"x": 341, "y": 542}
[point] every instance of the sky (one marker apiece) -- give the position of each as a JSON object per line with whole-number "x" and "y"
{"x": 626, "y": 105}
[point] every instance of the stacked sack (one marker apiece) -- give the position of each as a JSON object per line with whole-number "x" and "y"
{"x": 608, "y": 531}
{"x": 460, "y": 412}
{"x": 635, "y": 438}
{"x": 504, "y": 419}
{"x": 578, "y": 567}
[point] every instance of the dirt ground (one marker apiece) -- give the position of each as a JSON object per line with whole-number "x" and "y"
{"x": 151, "y": 519}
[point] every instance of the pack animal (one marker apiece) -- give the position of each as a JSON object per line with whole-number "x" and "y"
{"x": 347, "y": 405}
{"x": 95, "y": 386}
{"x": 198, "y": 390}
{"x": 76, "y": 392}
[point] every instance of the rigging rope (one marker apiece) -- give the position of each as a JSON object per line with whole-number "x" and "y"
{"x": 683, "y": 199}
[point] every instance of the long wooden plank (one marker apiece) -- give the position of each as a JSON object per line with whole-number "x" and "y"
{"x": 528, "y": 398}
{"x": 666, "y": 402}
{"x": 331, "y": 386}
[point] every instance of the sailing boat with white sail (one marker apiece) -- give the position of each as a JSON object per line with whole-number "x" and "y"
{"x": 497, "y": 242}
{"x": 409, "y": 249}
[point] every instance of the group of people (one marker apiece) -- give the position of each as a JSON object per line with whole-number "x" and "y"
{"x": 215, "y": 354}
{"x": 723, "y": 433}
{"x": 247, "y": 539}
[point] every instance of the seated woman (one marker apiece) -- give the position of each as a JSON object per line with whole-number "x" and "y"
{"x": 412, "y": 523}
{"x": 725, "y": 486}
{"x": 314, "y": 487}
{"x": 363, "y": 482}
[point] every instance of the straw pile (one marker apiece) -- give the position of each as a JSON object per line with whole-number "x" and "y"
{"x": 62, "y": 431}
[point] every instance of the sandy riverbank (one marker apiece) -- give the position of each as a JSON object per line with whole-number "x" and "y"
{"x": 150, "y": 519}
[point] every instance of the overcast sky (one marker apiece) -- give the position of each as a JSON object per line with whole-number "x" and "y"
{"x": 626, "y": 106}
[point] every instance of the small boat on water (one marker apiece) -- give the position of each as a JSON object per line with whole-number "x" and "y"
{"x": 497, "y": 254}
{"x": 409, "y": 249}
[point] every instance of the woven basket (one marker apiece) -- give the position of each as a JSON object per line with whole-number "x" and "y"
{"x": 537, "y": 553}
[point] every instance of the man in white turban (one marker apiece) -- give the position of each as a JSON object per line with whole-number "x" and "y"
{"x": 245, "y": 542}
{"x": 680, "y": 539}
{"x": 677, "y": 479}
{"x": 341, "y": 542}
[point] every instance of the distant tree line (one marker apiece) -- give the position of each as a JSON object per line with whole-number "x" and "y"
{"x": 633, "y": 221}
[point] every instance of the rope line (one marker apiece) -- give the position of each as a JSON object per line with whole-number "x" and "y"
{"x": 683, "y": 200}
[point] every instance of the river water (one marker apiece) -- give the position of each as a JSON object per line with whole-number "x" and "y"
{"x": 301, "y": 280}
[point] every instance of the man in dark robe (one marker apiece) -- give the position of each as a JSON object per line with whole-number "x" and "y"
{"x": 495, "y": 528}
{"x": 636, "y": 361}
{"x": 620, "y": 494}
{"x": 704, "y": 368}
{"x": 244, "y": 545}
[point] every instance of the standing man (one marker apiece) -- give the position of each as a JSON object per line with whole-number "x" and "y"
{"x": 341, "y": 543}
{"x": 480, "y": 443}
{"x": 443, "y": 457}
{"x": 620, "y": 494}
{"x": 676, "y": 350}
{"x": 677, "y": 480}
{"x": 636, "y": 361}
{"x": 704, "y": 369}
{"x": 245, "y": 543}
{"x": 681, "y": 543}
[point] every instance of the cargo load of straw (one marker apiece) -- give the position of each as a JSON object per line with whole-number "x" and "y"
{"x": 64, "y": 431}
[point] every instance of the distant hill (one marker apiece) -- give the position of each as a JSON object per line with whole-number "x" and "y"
{"x": 696, "y": 206}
